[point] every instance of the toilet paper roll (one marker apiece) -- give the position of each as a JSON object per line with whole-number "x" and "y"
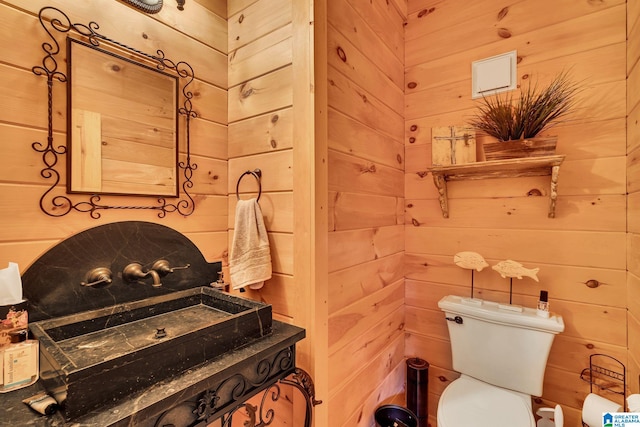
{"x": 593, "y": 408}
{"x": 633, "y": 403}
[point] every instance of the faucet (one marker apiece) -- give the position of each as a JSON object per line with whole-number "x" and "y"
{"x": 133, "y": 272}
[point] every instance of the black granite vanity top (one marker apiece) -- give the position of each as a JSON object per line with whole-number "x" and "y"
{"x": 148, "y": 372}
{"x": 145, "y": 407}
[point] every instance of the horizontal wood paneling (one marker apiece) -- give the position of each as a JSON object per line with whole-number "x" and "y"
{"x": 351, "y": 137}
{"x": 352, "y": 174}
{"x": 197, "y": 37}
{"x": 352, "y": 284}
{"x": 562, "y": 283}
{"x": 348, "y": 60}
{"x": 263, "y": 94}
{"x": 365, "y": 347}
{"x": 353, "y": 247}
{"x": 348, "y": 211}
{"x": 273, "y": 50}
{"x": 633, "y": 188}
{"x": 351, "y": 19}
{"x": 365, "y": 45}
{"x": 351, "y": 99}
{"x": 262, "y": 134}
{"x": 568, "y": 248}
{"x": 596, "y": 213}
{"x": 477, "y": 30}
{"x": 250, "y": 21}
{"x": 506, "y": 218}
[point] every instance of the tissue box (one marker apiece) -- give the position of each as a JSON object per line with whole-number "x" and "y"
{"x": 13, "y": 319}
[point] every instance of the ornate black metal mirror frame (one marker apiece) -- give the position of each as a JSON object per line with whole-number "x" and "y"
{"x": 60, "y": 205}
{"x": 146, "y": 6}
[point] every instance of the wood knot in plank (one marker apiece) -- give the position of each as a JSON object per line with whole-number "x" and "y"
{"x": 592, "y": 283}
{"x": 503, "y": 12}
{"x": 275, "y": 118}
{"x": 368, "y": 169}
{"x": 425, "y": 12}
{"x": 504, "y": 33}
{"x": 246, "y": 91}
{"x": 412, "y": 85}
{"x": 240, "y": 19}
{"x": 422, "y": 174}
{"x": 274, "y": 144}
{"x": 415, "y": 222}
{"x": 413, "y": 128}
{"x": 341, "y": 54}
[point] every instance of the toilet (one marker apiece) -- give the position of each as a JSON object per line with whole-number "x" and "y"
{"x": 501, "y": 352}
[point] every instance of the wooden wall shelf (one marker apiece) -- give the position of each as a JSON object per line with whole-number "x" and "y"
{"x": 511, "y": 168}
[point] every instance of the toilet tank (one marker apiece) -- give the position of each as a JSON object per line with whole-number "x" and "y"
{"x": 501, "y": 344}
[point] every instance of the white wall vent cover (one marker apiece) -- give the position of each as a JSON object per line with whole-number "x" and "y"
{"x": 493, "y": 75}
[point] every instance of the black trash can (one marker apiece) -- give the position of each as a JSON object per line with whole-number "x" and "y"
{"x": 395, "y": 416}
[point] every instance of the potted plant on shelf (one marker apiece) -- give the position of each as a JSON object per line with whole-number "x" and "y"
{"x": 516, "y": 123}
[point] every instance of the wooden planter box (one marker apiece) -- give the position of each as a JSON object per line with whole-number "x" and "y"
{"x": 532, "y": 147}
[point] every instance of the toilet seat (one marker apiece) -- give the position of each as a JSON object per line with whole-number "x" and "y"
{"x": 470, "y": 402}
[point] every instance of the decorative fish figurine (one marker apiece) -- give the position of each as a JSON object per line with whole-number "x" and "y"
{"x": 470, "y": 260}
{"x": 511, "y": 268}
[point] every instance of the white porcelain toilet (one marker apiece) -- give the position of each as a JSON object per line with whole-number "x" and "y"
{"x": 501, "y": 353}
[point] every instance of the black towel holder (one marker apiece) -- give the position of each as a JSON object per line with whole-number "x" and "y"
{"x": 257, "y": 174}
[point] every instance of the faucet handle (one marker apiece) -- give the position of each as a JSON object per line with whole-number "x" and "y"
{"x": 98, "y": 276}
{"x": 163, "y": 268}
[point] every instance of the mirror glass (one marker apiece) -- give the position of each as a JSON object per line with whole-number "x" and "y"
{"x": 123, "y": 124}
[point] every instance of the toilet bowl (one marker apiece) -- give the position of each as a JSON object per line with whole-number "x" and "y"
{"x": 501, "y": 352}
{"x": 470, "y": 402}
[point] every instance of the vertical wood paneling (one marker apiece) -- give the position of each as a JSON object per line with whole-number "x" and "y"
{"x": 497, "y": 218}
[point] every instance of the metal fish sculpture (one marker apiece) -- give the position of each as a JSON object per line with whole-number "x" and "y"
{"x": 509, "y": 268}
{"x": 470, "y": 260}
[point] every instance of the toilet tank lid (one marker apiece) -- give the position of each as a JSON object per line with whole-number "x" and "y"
{"x": 501, "y": 313}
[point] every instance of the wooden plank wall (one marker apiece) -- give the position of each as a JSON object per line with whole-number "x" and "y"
{"x": 633, "y": 189}
{"x": 506, "y": 218}
{"x": 196, "y": 35}
{"x": 365, "y": 55}
{"x": 261, "y": 129}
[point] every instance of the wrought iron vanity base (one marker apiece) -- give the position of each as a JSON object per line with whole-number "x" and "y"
{"x": 201, "y": 411}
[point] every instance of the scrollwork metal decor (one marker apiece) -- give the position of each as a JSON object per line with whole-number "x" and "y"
{"x": 148, "y": 6}
{"x": 54, "y": 20}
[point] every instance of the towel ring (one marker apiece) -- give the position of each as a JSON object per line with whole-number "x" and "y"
{"x": 257, "y": 174}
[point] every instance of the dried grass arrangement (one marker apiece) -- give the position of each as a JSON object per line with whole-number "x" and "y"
{"x": 537, "y": 109}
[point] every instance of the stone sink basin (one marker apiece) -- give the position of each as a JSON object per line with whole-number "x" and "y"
{"x": 96, "y": 357}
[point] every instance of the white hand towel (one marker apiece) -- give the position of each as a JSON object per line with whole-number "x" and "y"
{"x": 250, "y": 263}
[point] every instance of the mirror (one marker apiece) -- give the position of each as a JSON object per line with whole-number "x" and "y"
{"x": 128, "y": 115}
{"x": 122, "y": 135}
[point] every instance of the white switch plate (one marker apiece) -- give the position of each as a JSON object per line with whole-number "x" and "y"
{"x": 494, "y": 75}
